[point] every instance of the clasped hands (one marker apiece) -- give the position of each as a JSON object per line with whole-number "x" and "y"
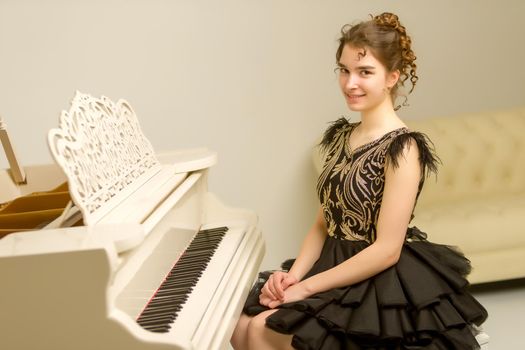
{"x": 282, "y": 287}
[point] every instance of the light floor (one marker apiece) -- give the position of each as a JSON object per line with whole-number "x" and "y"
{"x": 505, "y": 303}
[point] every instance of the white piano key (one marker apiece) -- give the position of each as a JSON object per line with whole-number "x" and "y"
{"x": 150, "y": 268}
{"x": 191, "y": 314}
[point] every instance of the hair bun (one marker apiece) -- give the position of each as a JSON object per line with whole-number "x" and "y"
{"x": 388, "y": 19}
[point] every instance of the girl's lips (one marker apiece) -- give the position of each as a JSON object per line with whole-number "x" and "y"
{"x": 354, "y": 97}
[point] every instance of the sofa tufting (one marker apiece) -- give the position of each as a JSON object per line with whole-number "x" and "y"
{"x": 477, "y": 200}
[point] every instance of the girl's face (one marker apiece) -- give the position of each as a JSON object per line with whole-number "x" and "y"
{"x": 364, "y": 80}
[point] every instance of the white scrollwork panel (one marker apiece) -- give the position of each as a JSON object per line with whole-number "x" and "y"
{"x": 103, "y": 152}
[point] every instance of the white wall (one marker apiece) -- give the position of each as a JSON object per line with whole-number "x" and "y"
{"x": 251, "y": 79}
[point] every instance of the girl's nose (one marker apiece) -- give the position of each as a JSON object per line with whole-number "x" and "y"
{"x": 352, "y": 81}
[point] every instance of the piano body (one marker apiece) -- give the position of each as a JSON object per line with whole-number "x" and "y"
{"x": 158, "y": 263}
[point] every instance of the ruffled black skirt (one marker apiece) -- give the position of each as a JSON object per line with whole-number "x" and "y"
{"x": 422, "y": 302}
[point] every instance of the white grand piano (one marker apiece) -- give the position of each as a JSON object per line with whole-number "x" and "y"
{"x": 158, "y": 261}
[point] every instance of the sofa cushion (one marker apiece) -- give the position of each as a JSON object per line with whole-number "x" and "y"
{"x": 475, "y": 226}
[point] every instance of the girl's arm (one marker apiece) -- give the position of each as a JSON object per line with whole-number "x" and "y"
{"x": 311, "y": 247}
{"x": 308, "y": 255}
{"x": 401, "y": 186}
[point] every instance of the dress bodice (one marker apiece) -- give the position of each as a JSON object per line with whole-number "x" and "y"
{"x": 351, "y": 184}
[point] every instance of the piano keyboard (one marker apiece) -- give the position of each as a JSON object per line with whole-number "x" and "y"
{"x": 164, "y": 306}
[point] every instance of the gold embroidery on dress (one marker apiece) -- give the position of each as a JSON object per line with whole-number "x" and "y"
{"x": 351, "y": 185}
{"x": 326, "y": 204}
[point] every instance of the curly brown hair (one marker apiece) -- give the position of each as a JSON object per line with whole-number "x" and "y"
{"x": 387, "y": 39}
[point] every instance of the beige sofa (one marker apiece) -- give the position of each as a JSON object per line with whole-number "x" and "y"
{"x": 477, "y": 201}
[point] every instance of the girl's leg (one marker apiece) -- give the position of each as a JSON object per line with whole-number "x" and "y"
{"x": 261, "y": 337}
{"x": 239, "y": 339}
{"x": 252, "y": 333}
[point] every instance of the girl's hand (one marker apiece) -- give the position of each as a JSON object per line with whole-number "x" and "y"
{"x": 293, "y": 293}
{"x": 274, "y": 288}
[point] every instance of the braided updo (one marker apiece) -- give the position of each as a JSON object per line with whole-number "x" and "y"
{"x": 388, "y": 41}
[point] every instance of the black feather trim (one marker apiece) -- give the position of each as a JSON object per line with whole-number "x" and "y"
{"x": 332, "y": 130}
{"x": 428, "y": 159}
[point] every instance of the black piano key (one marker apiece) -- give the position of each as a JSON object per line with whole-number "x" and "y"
{"x": 159, "y": 307}
{"x": 170, "y": 294}
{"x": 162, "y": 329}
{"x": 156, "y": 320}
{"x": 174, "y": 291}
{"x": 165, "y": 310}
{"x": 172, "y": 299}
{"x": 173, "y": 287}
{"x": 160, "y": 314}
{"x": 160, "y": 317}
{"x": 176, "y": 276}
{"x": 156, "y": 314}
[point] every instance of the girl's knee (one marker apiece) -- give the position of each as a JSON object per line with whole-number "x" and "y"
{"x": 257, "y": 326}
{"x": 239, "y": 337}
{"x": 262, "y": 337}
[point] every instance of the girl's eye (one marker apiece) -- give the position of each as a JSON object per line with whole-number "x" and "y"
{"x": 365, "y": 72}
{"x": 341, "y": 70}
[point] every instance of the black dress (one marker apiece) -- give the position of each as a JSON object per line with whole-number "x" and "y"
{"x": 421, "y": 302}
